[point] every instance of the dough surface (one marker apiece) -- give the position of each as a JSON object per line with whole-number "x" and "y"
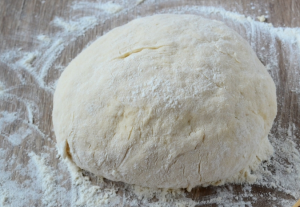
{"x": 167, "y": 101}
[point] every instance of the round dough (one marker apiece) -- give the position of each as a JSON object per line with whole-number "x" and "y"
{"x": 167, "y": 101}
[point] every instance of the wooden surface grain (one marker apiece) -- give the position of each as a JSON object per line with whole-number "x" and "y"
{"x": 22, "y": 21}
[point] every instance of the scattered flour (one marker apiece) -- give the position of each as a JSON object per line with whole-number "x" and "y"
{"x": 139, "y": 2}
{"x": 17, "y": 137}
{"x": 41, "y": 184}
{"x": 48, "y": 180}
{"x": 108, "y": 7}
{"x": 6, "y": 118}
{"x": 261, "y": 18}
{"x": 78, "y": 25}
{"x": 43, "y": 38}
{"x": 46, "y": 177}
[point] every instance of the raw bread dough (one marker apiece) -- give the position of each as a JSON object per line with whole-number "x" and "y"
{"x": 167, "y": 101}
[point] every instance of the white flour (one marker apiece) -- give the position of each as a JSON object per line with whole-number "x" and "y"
{"x": 49, "y": 181}
{"x": 108, "y": 7}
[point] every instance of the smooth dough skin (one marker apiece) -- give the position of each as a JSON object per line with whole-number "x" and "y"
{"x": 166, "y": 101}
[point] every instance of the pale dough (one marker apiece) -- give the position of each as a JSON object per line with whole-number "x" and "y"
{"x": 167, "y": 101}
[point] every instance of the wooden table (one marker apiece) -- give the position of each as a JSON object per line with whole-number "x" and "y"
{"x": 21, "y": 22}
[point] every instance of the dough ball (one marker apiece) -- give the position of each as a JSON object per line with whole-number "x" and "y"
{"x": 166, "y": 101}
